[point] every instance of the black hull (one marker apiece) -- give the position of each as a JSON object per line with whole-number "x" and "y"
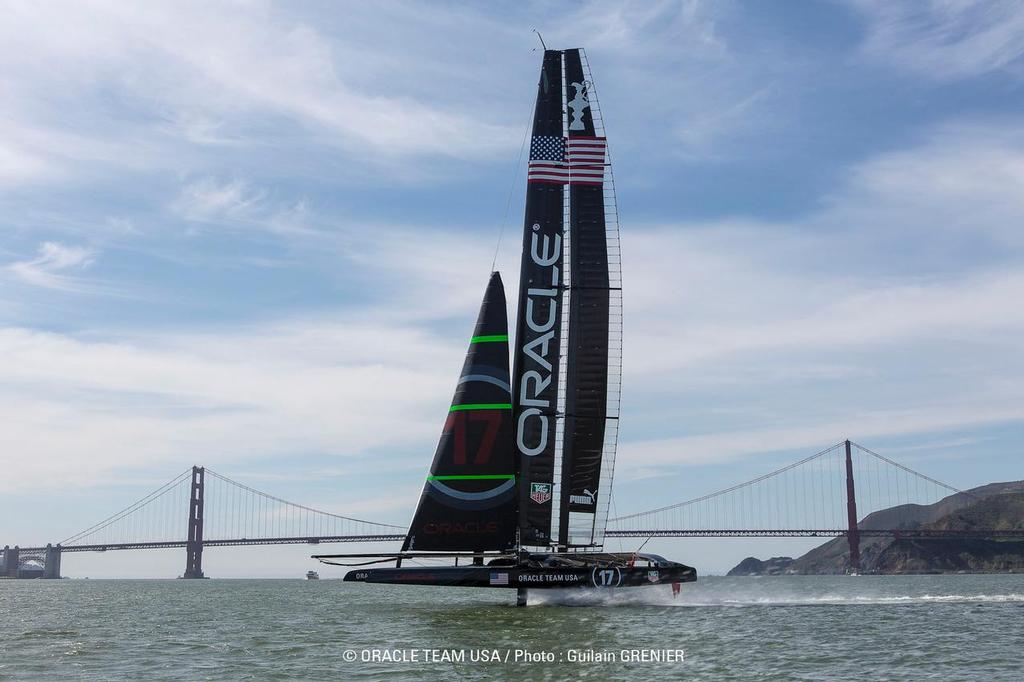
{"x": 535, "y": 578}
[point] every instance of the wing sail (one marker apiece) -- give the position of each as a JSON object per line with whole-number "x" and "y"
{"x": 539, "y": 319}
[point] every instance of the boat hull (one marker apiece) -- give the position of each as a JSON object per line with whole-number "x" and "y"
{"x": 592, "y": 577}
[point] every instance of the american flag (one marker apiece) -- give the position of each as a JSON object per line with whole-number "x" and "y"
{"x": 576, "y": 160}
{"x": 499, "y": 578}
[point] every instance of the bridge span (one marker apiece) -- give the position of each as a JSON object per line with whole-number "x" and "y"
{"x": 818, "y": 496}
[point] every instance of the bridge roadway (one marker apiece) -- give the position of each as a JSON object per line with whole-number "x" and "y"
{"x": 638, "y": 533}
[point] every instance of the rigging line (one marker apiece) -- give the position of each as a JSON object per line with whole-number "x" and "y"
{"x": 911, "y": 471}
{"x": 512, "y": 190}
{"x": 611, "y": 503}
{"x": 643, "y": 545}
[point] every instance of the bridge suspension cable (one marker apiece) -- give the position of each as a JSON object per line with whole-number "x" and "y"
{"x": 907, "y": 469}
{"x": 809, "y": 496}
{"x": 235, "y": 510}
{"x": 725, "y": 491}
{"x": 172, "y": 488}
{"x": 234, "y": 513}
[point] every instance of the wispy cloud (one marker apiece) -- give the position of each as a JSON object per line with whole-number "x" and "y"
{"x": 724, "y": 447}
{"x": 203, "y": 65}
{"x": 945, "y": 41}
{"x": 304, "y": 386}
{"x": 861, "y": 318}
{"x": 237, "y": 204}
{"x": 51, "y": 266}
{"x": 963, "y": 178}
{"x": 33, "y": 154}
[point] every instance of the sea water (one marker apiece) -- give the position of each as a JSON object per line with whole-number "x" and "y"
{"x": 949, "y": 627}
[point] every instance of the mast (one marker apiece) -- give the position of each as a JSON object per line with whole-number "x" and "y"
{"x": 468, "y": 500}
{"x": 535, "y": 380}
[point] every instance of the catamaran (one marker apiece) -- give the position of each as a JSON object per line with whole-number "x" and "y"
{"x": 521, "y": 478}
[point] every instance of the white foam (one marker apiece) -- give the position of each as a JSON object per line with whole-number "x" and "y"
{"x": 721, "y": 598}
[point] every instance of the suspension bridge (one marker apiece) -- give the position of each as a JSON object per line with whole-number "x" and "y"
{"x": 845, "y": 490}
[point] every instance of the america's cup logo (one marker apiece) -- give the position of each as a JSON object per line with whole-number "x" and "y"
{"x": 577, "y": 104}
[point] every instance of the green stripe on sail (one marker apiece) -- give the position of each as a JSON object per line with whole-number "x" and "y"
{"x": 473, "y": 477}
{"x": 489, "y": 339}
{"x": 481, "y": 406}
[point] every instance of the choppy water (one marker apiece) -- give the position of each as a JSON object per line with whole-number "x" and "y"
{"x": 799, "y": 628}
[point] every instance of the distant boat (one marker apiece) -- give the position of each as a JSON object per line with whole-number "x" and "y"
{"x": 521, "y": 478}
{"x": 312, "y": 575}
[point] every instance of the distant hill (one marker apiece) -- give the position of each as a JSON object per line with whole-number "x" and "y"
{"x": 997, "y": 506}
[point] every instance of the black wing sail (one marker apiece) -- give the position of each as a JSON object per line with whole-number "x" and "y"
{"x": 539, "y": 317}
{"x": 594, "y": 335}
{"x": 469, "y": 499}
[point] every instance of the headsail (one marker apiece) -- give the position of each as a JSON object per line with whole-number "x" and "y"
{"x": 468, "y": 501}
{"x": 539, "y": 324}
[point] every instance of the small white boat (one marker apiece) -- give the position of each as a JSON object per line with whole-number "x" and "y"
{"x": 312, "y": 575}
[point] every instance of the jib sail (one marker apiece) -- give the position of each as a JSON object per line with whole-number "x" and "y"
{"x": 469, "y": 499}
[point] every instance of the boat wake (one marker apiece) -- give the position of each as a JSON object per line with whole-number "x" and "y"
{"x": 660, "y": 597}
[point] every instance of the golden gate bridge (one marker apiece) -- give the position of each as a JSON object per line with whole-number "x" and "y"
{"x": 833, "y": 493}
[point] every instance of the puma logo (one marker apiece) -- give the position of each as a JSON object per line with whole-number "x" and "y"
{"x": 587, "y": 498}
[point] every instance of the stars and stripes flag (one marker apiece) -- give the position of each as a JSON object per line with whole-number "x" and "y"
{"x": 499, "y": 579}
{"x": 574, "y": 161}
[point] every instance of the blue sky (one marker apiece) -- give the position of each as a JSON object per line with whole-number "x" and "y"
{"x": 253, "y": 236}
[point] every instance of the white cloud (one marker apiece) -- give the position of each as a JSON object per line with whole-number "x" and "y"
{"x": 363, "y": 91}
{"x": 945, "y": 40}
{"x": 964, "y": 178}
{"x": 871, "y": 267}
{"x": 338, "y": 387}
{"x": 726, "y": 306}
{"x": 716, "y": 313}
{"x": 207, "y": 199}
{"x": 238, "y": 204}
{"x": 806, "y": 435}
{"x": 205, "y": 68}
{"x": 34, "y": 154}
{"x": 50, "y": 267}
{"x": 862, "y": 318}
{"x": 19, "y": 164}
